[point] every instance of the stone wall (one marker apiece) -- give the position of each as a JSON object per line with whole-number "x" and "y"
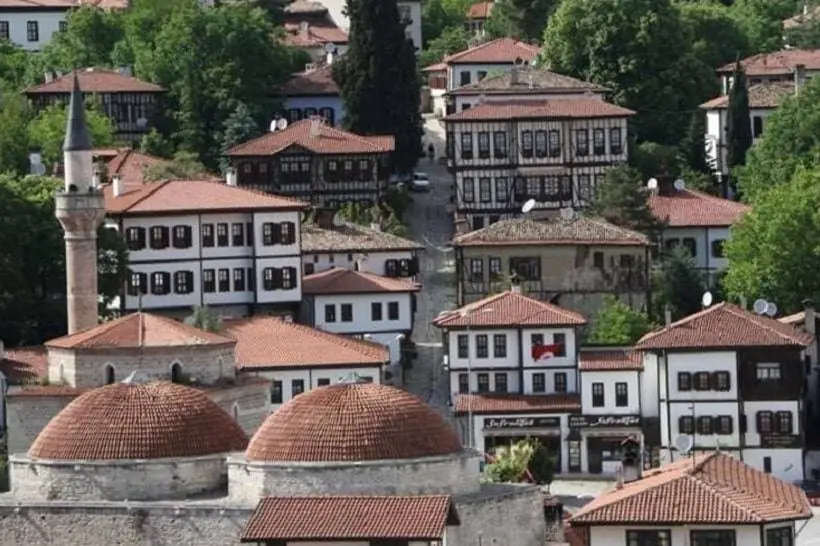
{"x": 161, "y": 479}
{"x": 249, "y": 482}
{"x": 248, "y": 402}
{"x": 500, "y": 515}
{"x": 27, "y": 415}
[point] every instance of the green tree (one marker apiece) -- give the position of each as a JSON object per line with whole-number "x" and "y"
{"x": 805, "y": 36}
{"x": 14, "y": 142}
{"x": 205, "y": 318}
{"x": 153, "y": 143}
{"x": 88, "y": 40}
{"x": 616, "y": 323}
{"x": 762, "y": 21}
{"x": 238, "y": 128}
{"x": 379, "y": 83}
{"x": 772, "y": 252}
{"x": 14, "y": 64}
{"x": 183, "y": 166}
{"x": 623, "y": 200}
{"x": 692, "y": 149}
{"x": 439, "y": 15}
{"x": 521, "y": 19}
{"x": 792, "y": 139}
{"x": 452, "y": 40}
{"x": 510, "y": 463}
{"x": 717, "y": 35}
{"x": 738, "y": 122}
{"x": 641, "y": 50}
{"x": 47, "y": 130}
{"x": 541, "y": 464}
{"x": 678, "y": 284}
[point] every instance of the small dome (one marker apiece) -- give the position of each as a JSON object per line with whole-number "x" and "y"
{"x": 353, "y": 422}
{"x": 131, "y": 421}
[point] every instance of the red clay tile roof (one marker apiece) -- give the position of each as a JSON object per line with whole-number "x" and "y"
{"x": 778, "y": 63}
{"x": 151, "y": 421}
{"x": 724, "y": 325}
{"x": 761, "y": 95}
{"x": 269, "y": 342}
{"x": 130, "y": 164}
{"x": 194, "y": 196}
{"x": 96, "y": 81}
{"x": 317, "y": 35}
{"x": 353, "y": 422}
{"x": 38, "y": 4}
{"x": 321, "y": 518}
{"x": 480, "y": 10}
{"x": 139, "y": 329}
{"x": 610, "y": 360}
{"x": 502, "y": 50}
{"x": 347, "y": 281}
{"x": 24, "y": 365}
{"x": 311, "y": 83}
{"x": 47, "y": 391}
{"x": 516, "y": 403}
{"x": 508, "y": 309}
{"x": 688, "y": 208}
{"x": 350, "y": 237}
{"x": 438, "y": 67}
{"x": 579, "y": 107}
{"x": 525, "y": 232}
{"x": 717, "y": 489}
{"x": 529, "y": 80}
{"x": 328, "y": 140}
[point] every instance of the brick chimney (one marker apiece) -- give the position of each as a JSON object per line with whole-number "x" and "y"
{"x": 666, "y": 183}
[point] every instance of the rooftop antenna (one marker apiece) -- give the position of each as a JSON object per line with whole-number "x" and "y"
{"x": 706, "y": 300}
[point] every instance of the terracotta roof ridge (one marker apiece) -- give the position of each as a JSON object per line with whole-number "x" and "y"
{"x": 546, "y": 306}
{"x": 101, "y": 328}
{"x": 724, "y": 495}
{"x": 220, "y": 182}
{"x": 681, "y": 322}
{"x": 764, "y": 323}
{"x": 715, "y": 198}
{"x": 147, "y": 190}
{"x": 471, "y": 307}
{"x": 613, "y": 227}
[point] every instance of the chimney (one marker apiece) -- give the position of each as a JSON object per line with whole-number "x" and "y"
{"x": 375, "y": 226}
{"x": 117, "y": 185}
{"x": 810, "y": 325}
{"x": 304, "y": 28}
{"x": 231, "y": 178}
{"x": 666, "y": 182}
{"x": 799, "y": 77}
{"x": 743, "y": 303}
{"x": 667, "y": 315}
{"x": 514, "y": 75}
{"x": 48, "y": 76}
{"x": 315, "y": 126}
{"x": 515, "y": 288}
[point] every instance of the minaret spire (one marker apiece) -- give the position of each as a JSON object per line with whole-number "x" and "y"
{"x": 76, "y": 132}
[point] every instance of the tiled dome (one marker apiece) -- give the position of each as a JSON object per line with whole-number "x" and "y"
{"x": 149, "y": 421}
{"x": 353, "y": 422}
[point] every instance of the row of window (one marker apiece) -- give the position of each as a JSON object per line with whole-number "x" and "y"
{"x": 767, "y": 422}
{"x": 542, "y": 144}
{"x": 297, "y": 387}
{"x": 621, "y": 395}
{"x": 327, "y": 113}
{"x": 500, "y": 385}
{"x": 32, "y": 30}
{"x": 779, "y": 536}
{"x": 529, "y": 268}
{"x": 376, "y": 312}
{"x": 222, "y": 234}
{"x": 238, "y": 279}
{"x": 542, "y": 188}
{"x": 704, "y": 381}
{"x": 482, "y": 345}
{"x": 297, "y": 169}
{"x": 690, "y": 244}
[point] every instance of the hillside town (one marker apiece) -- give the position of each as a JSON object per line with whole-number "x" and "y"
{"x": 405, "y": 273}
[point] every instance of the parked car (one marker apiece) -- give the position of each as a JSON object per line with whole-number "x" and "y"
{"x": 421, "y": 182}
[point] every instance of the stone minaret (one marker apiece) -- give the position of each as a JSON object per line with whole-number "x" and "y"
{"x": 80, "y": 208}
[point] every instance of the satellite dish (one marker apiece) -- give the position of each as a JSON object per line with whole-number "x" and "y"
{"x": 281, "y": 123}
{"x": 652, "y": 184}
{"x": 684, "y": 444}
{"x": 39, "y": 169}
{"x": 528, "y": 206}
{"x": 680, "y": 184}
{"x": 272, "y": 127}
{"x": 760, "y": 306}
{"x": 330, "y": 47}
{"x": 338, "y": 220}
{"x": 706, "y": 300}
{"x": 771, "y": 309}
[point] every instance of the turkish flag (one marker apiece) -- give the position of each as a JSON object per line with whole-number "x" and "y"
{"x": 543, "y": 352}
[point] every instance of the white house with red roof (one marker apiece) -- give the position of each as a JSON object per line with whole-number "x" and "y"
{"x": 207, "y": 243}
{"x": 730, "y": 379}
{"x": 309, "y": 27}
{"x": 711, "y": 499}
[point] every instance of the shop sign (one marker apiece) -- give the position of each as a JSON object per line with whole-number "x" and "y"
{"x": 506, "y": 423}
{"x": 779, "y": 440}
{"x": 604, "y": 421}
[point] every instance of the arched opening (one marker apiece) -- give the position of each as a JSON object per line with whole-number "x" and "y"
{"x": 109, "y": 374}
{"x": 176, "y": 373}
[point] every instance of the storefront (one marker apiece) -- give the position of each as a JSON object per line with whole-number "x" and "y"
{"x": 604, "y": 444}
{"x": 506, "y": 431}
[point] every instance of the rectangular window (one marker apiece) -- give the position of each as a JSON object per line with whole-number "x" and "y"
{"x": 686, "y": 424}
{"x": 702, "y": 381}
{"x": 485, "y": 190}
{"x": 182, "y": 237}
{"x": 135, "y": 238}
{"x": 224, "y": 280}
{"x": 207, "y": 235}
{"x": 347, "y": 312}
{"x": 159, "y": 237}
{"x": 375, "y": 311}
{"x": 704, "y": 425}
{"x": 297, "y": 387}
{"x": 32, "y": 31}
{"x": 483, "y": 382}
{"x": 616, "y": 144}
{"x": 463, "y": 383}
{"x": 483, "y": 145}
{"x": 539, "y": 383}
{"x": 541, "y": 144}
{"x": 183, "y": 282}
{"x": 270, "y": 279}
{"x": 560, "y": 379}
{"x": 160, "y": 283}
{"x": 621, "y": 395}
{"x": 712, "y": 538}
{"x": 494, "y": 263}
{"x": 209, "y": 280}
{"x": 463, "y": 341}
{"x": 4, "y": 30}
{"x": 276, "y": 392}
{"x": 536, "y": 339}
{"x": 270, "y": 233}
{"x": 500, "y": 382}
{"x": 466, "y": 145}
{"x": 330, "y": 313}
{"x": 561, "y": 341}
{"x": 464, "y": 77}
{"x": 648, "y": 538}
{"x": 597, "y": 395}
{"x": 137, "y": 284}
{"x": 222, "y": 234}
{"x": 784, "y": 422}
{"x": 767, "y": 465}
{"x": 555, "y": 143}
{"x": 781, "y": 536}
{"x": 724, "y": 424}
{"x": 721, "y": 381}
{"x": 717, "y": 248}
{"x": 598, "y": 142}
{"x": 757, "y": 126}
{"x": 500, "y": 144}
{"x": 393, "y": 310}
{"x": 468, "y": 189}
{"x": 287, "y": 231}
{"x": 322, "y": 382}
{"x": 690, "y": 245}
{"x": 526, "y": 269}
{"x": 585, "y": 192}
{"x": 238, "y": 234}
{"x": 684, "y": 381}
{"x": 765, "y": 424}
{"x": 581, "y": 142}
{"x": 239, "y": 279}
{"x": 476, "y": 270}
{"x": 288, "y": 278}
{"x": 767, "y": 371}
{"x": 526, "y": 144}
{"x": 501, "y": 190}
{"x": 482, "y": 348}
{"x": 500, "y": 345}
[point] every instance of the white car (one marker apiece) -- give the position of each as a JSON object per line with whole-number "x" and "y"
{"x": 421, "y": 182}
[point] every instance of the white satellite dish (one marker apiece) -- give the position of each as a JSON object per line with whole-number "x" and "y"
{"x": 528, "y": 206}
{"x": 39, "y": 169}
{"x": 706, "y": 300}
{"x": 272, "y": 127}
{"x": 760, "y": 306}
{"x": 567, "y": 214}
{"x": 771, "y": 309}
{"x": 680, "y": 184}
{"x": 330, "y": 47}
{"x": 281, "y": 124}
{"x": 684, "y": 444}
{"x": 652, "y": 184}
{"x": 338, "y": 220}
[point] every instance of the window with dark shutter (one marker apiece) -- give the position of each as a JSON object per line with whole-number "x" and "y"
{"x": 137, "y": 284}
{"x": 391, "y": 268}
{"x": 158, "y": 283}
{"x": 271, "y": 233}
{"x": 347, "y": 312}
{"x": 784, "y": 422}
{"x": 765, "y": 423}
{"x": 183, "y": 282}
{"x": 330, "y": 313}
{"x": 222, "y": 234}
{"x": 705, "y": 425}
{"x": 208, "y": 280}
{"x": 686, "y": 424}
{"x": 238, "y": 234}
{"x": 288, "y": 278}
{"x": 287, "y": 233}
{"x": 393, "y": 310}
{"x": 135, "y": 238}
{"x": 702, "y": 381}
{"x": 207, "y": 235}
{"x": 268, "y": 282}
{"x": 724, "y": 424}
{"x": 159, "y": 237}
{"x": 224, "y": 280}
{"x": 721, "y": 381}
{"x": 251, "y": 279}
{"x": 684, "y": 381}
{"x": 182, "y": 237}
{"x": 239, "y": 279}
{"x": 309, "y": 269}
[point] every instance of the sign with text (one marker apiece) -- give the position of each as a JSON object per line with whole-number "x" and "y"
{"x": 506, "y": 423}
{"x": 779, "y": 440}
{"x": 604, "y": 421}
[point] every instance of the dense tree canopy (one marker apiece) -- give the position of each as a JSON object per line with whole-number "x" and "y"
{"x": 438, "y": 15}
{"x": 521, "y": 19}
{"x": 47, "y": 130}
{"x": 762, "y": 21}
{"x": 623, "y": 200}
{"x": 738, "y": 120}
{"x": 88, "y": 41}
{"x": 717, "y": 35}
{"x": 679, "y": 285}
{"x": 452, "y": 40}
{"x": 616, "y": 323}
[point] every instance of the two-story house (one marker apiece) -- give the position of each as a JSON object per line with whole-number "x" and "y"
{"x": 312, "y": 161}
{"x": 477, "y": 16}
{"x": 351, "y": 246}
{"x": 195, "y": 242}
{"x": 574, "y": 263}
{"x": 697, "y": 221}
{"x": 296, "y": 358}
{"x": 132, "y": 104}
{"x": 409, "y": 13}
{"x": 513, "y": 366}
{"x": 610, "y": 424}
{"x": 361, "y": 304}
{"x": 555, "y": 151}
{"x": 726, "y": 378}
{"x": 309, "y": 27}
{"x": 313, "y": 92}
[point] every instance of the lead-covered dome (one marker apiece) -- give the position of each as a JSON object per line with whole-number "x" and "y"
{"x": 131, "y": 421}
{"x": 353, "y": 422}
